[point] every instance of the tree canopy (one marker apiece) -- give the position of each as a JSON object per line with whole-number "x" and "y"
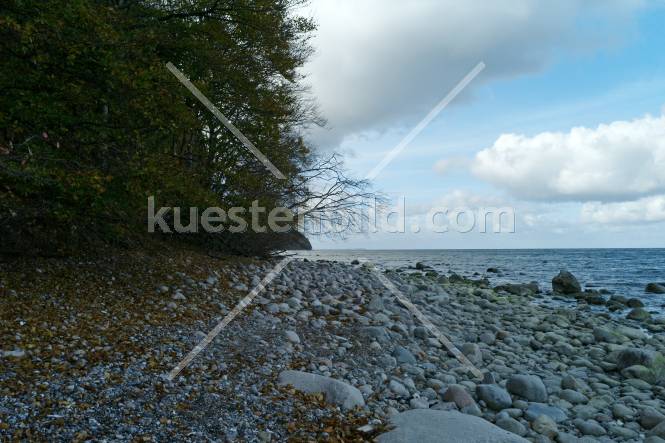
{"x": 92, "y": 122}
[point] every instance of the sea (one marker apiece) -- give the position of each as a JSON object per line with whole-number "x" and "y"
{"x": 620, "y": 271}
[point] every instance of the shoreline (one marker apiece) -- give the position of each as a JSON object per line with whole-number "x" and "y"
{"x": 625, "y": 273}
{"x": 334, "y": 320}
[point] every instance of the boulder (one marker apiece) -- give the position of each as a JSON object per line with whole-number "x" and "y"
{"x": 634, "y": 356}
{"x": 590, "y": 427}
{"x": 403, "y": 355}
{"x": 433, "y": 426}
{"x": 639, "y": 314}
{"x": 472, "y": 352}
{"x": 566, "y": 283}
{"x": 335, "y": 391}
{"x": 535, "y": 410}
{"x": 603, "y": 334}
{"x": 650, "y": 417}
{"x": 634, "y": 303}
{"x": 494, "y": 396}
{"x": 455, "y": 278}
{"x": 419, "y": 403}
{"x": 658, "y": 431}
{"x": 618, "y": 299}
{"x": 655, "y": 288}
{"x": 593, "y": 298}
{"x": 637, "y": 371}
{"x": 398, "y": 388}
{"x": 378, "y": 333}
{"x": 545, "y": 426}
{"x": 511, "y": 425}
{"x": 458, "y": 395}
{"x": 573, "y": 397}
{"x": 530, "y": 387}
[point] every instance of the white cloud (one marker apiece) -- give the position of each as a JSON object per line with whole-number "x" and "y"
{"x": 619, "y": 161}
{"x": 648, "y": 209}
{"x": 459, "y": 198}
{"x": 382, "y": 63}
{"x": 446, "y": 165}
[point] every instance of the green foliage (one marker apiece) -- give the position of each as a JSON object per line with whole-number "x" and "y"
{"x": 91, "y": 121}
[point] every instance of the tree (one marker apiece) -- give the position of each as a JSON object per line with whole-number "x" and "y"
{"x": 91, "y": 121}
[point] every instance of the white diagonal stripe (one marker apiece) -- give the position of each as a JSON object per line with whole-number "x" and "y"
{"x": 425, "y": 321}
{"x": 225, "y": 121}
{"x": 425, "y": 121}
{"x": 229, "y": 317}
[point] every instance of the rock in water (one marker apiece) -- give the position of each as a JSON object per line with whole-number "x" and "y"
{"x": 530, "y": 387}
{"x": 566, "y": 283}
{"x": 432, "y": 426}
{"x": 634, "y": 303}
{"x": 655, "y": 288}
{"x": 639, "y": 314}
{"x": 336, "y": 392}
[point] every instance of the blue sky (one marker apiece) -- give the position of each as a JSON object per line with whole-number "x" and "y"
{"x": 549, "y": 69}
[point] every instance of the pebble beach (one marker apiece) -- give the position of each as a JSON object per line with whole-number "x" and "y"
{"x": 325, "y": 353}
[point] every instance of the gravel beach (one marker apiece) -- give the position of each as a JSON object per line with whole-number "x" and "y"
{"x": 325, "y": 353}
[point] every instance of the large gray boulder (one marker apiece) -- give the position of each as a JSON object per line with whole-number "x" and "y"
{"x": 335, "y": 391}
{"x": 530, "y": 387}
{"x": 566, "y": 283}
{"x": 432, "y": 426}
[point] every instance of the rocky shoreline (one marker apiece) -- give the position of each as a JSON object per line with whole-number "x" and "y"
{"x": 328, "y": 353}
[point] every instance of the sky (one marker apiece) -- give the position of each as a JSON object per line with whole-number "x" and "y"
{"x": 564, "y": 127}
